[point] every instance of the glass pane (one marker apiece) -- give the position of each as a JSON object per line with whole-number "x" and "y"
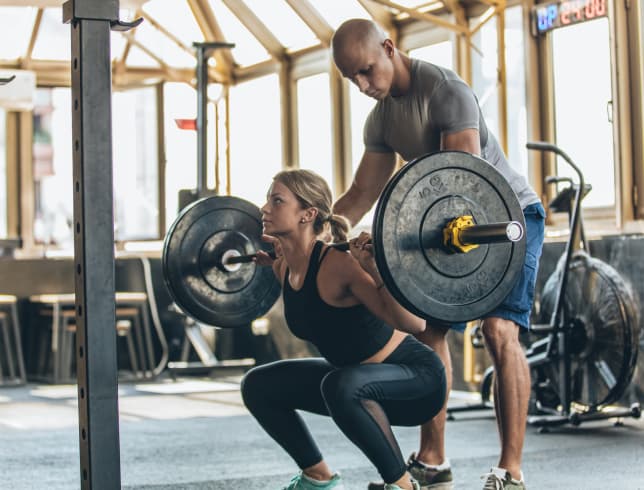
{"x": 337, "y": 11}
{"x": 515, "y": 81}
{"x": 441, "y": 54}
{"x": 52, "y": 168}
{"x": 314, "y": 123}
{"x": 137, "y": 57}
{"x": 180, "y": 102}
{"x": 255, "y": 137}
{"x": 17, "y": 24}
{"x": 177, "y": 18}
{"x": 284, "y": 23}
{"x": 3, "y": 173}
{"x": 117, "y": 45}
{"x": 485, "y": 74}
{"x": 360, "y": 106}
{"x": 135, "y": 156}
{"x": 54, "y": 39}
{"x": 247, "y": 50}
{"x": 582, "y": 102}
{"x": 163, "y": 47}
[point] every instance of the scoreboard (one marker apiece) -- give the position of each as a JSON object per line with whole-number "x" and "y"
{"x": 548, "y": 16}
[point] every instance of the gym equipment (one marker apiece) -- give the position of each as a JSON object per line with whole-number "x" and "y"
{"x": 196, "y": 247}
{"x": 4, "y": 81}
{"x": 413, "y": 212}
{"x": 447, "y": 239}
{"x": 586, "y": 359}
{"x": 587, "y": 348}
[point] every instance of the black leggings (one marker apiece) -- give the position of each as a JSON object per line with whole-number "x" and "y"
{"x": 365, "y": 400}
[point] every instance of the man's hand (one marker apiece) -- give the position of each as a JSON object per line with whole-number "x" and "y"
{"x": 362, "y": 250}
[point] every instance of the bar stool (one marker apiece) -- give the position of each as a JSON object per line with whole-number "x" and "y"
{"x": 12, "y": 358}
{"x": 131, "y": 324}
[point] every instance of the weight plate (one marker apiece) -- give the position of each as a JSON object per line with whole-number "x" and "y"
{"x": 417, "y": 203}
{"x": 193, "y": 249}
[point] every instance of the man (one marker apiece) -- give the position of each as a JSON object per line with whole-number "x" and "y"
{"x": 423, "y": 108}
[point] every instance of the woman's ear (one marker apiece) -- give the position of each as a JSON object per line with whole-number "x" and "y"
{"x": 310, "y": 214}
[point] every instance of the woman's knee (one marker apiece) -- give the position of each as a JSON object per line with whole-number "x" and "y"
{"x": 253, "y": 386}
{"x": 340, "y": 387}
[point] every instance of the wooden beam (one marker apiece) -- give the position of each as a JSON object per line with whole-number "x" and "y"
{"x": 381, "y": 16}
{"x": 485, "y": 18}
{"x": 312, "y": 18}
{"x": 211, "y": 31}
{"x": 288, "y": 108}
{"x": 433, "y": 19}
{"x": 34, "y": 36}
{"x": 256, "y": 27}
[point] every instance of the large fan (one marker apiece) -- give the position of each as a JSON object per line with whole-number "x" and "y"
{"x": 601, "y": 311}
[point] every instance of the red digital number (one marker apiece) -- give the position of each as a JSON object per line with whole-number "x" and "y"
{"x": 600, "y": 7}
{"x": 590, "y": 9}
{"x": 565, "y": 13}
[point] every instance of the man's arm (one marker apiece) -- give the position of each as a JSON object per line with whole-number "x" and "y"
{"x": 467, "y": 140}
{"x": 374, "y": 171}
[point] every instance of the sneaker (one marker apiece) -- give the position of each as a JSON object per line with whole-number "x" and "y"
{"x": 303, "y": 482}
{"x": 428, "y": 477}
{"x": 393, "y": 486}
{"x": 500, "y": 479}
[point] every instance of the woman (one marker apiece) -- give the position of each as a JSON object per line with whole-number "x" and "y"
{"x": 372, "y": 375}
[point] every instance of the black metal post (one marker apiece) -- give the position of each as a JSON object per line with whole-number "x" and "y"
{"x": 204, "y": 51}
{"x": 91, "y": 22}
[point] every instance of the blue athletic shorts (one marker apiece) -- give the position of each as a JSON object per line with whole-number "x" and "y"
{"x": 517, "y": 306}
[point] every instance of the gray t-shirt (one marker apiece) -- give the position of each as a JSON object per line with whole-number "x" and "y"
{"x": 437, "y": 102}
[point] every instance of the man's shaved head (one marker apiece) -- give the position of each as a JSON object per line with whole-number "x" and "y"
{"x": 357, "y": 32}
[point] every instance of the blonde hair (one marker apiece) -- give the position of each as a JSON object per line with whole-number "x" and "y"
{"x": 312, "y": 191}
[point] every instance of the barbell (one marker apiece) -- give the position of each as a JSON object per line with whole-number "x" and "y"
{"x": 448, "y": 236}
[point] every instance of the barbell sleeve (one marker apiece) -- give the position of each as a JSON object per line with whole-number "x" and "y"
{"x": 510, "y": 231}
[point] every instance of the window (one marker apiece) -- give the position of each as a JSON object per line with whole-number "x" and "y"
{"x": 515, "y": 82}
{"x": 360, "y": 107}
{"x": 3, "y": 173}
{"x": 180, "y": 102}
{"x": 314, "y": 124}
{"x": 52, "y": 168}
{"x": 583, "y": 104}
{"x": 135, "y": 157}
{"x": 441, "y": 54}
{"x": 485, "y": 73}
{"x": 134, "y": 166}
{"x": 255, "y": 137}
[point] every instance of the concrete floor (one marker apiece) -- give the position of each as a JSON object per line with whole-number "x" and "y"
{"x": 195, "y": 434}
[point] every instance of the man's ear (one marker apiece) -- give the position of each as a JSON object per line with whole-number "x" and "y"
{"x": 390, "y": 49}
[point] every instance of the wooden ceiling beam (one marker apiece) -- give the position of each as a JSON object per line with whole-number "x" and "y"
{"x": 312, "y": 18}
{"x": 209, "y": 26}
{"x": 427, "y": 17}
{"x": 257, "y": 28}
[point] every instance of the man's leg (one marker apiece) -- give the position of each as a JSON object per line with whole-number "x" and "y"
{"x": 432, "y": 433}
{"x": 511, "y": 390}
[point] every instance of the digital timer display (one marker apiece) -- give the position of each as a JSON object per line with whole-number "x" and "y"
{"x": 548, "y": 16}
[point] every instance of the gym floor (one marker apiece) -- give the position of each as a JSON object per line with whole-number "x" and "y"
{"x": 196, "y": 434}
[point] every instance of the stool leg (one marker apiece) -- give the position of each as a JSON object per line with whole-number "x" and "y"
{"x": 2, "y": 326}
{"x": 7, "y": 348}
{"x": 56, "y": 340}
{"x": 134, "y": 364}
{"x": 148, "y": 336}
{"x": 18, "y": 339}
{"x": 138, "y": 337}
{"x": 67, "y": 349}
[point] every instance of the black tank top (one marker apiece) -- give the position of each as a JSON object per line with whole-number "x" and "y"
{"x": 343, "y": 335}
